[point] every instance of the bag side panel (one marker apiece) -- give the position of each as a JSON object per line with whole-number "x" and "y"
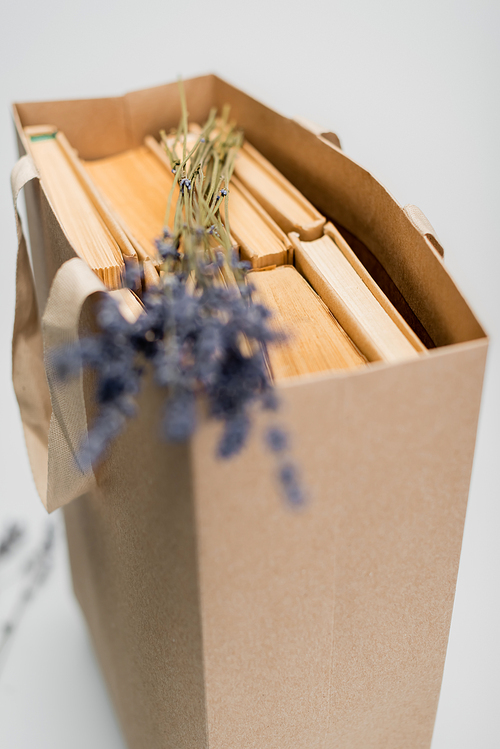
{"x": 95, "y": 127}
{"x": 328, "y": 627}
{"x": 133, "y": 553}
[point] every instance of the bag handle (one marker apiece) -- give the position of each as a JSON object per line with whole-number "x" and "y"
{"x": 52, "y": 412}
{"x": 321, "y": 132}
{"x": 424, "y": 226}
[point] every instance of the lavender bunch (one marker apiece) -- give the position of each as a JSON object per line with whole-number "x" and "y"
{"x": 201, "y": 331}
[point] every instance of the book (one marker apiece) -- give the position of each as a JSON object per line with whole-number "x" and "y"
{"x": 85, "y": 224}
{"x": 283, "y": 202}
{"x": 364, "y": 312}
{"x": 259, "y": 237}
{"x": 137, "y": 185}
{"x": 313, "y": 341}
{"x": 374, "y": 269}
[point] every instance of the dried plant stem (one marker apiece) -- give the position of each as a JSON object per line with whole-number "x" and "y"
{"x": 38, "y": 569}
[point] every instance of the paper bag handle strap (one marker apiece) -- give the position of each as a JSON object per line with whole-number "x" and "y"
{"x": 332, "y": 138}
{"x": 52, "y": 412}
{"x": 24, "y": 171}
{"x": 424, "y": 226}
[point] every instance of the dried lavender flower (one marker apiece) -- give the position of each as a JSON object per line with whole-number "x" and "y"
{"x": 201, "y": 330}
{"x": 180, "y": 415}
{"x": 235, "y": 433}
{"x": 36, "y": 572}
{"x": 290, "y": 483}
{"x": 277, "y": 439}
{"x": 10, "y": 539}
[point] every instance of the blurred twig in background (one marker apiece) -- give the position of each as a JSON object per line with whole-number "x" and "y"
{"x": 33, "y": 575}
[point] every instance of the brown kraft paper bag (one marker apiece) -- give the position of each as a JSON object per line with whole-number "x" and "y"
{"x": 221, "y": 617}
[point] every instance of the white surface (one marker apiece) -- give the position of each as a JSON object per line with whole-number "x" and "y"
{"x": 412, "y": 90}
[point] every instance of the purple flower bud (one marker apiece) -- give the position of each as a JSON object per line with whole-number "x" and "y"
{"x": 132, "y": 275}
{"x": 290, "y": 483}
{"x": 234, "y": 436}
{"x": 167, "y": 249}
{"x": 180, "y": 416}
{"x": 277, "y": 439}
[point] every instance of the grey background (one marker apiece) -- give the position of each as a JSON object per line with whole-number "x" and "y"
{"x": 412, "y": 90}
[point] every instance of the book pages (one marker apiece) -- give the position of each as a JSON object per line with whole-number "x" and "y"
{"x": 313, "y": 339}
{"x": 362, "y": 316}
{"x": 287, "y": 206}
{"x": 87, "y": 232}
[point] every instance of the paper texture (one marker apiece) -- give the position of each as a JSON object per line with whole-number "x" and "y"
{"x": 221, "y": 618}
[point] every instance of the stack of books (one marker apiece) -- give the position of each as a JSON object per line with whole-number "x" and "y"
{"x": 330, "y": 311}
